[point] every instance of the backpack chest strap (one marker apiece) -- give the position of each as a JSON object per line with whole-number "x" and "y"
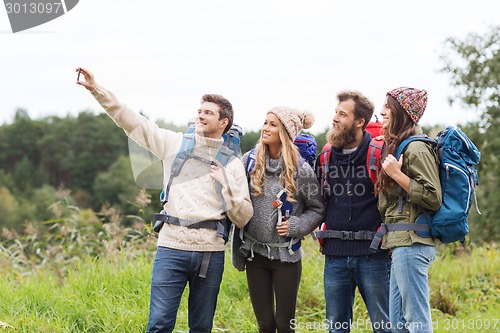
{"x": 385, "y": 228}
{"x": 218, "y": 225}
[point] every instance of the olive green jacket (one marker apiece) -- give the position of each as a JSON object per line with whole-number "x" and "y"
{"x": 420, "y": 164}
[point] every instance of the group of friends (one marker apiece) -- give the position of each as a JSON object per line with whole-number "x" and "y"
{"x": 393, "y": 281}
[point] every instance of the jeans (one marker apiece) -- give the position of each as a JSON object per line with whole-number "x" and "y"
{"x": 409, "y": 297}
{"x": 172, "y": 270}
{"x": 370, "y": 273}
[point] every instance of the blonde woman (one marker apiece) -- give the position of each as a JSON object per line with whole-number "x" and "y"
{"x": 287, "y": 206}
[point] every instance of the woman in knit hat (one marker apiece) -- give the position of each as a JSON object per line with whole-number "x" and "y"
{"x": 415, "y": 179}
{"x": 270, "y": 246}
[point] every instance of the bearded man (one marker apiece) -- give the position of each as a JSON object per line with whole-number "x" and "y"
{"x": 352, "y": 218}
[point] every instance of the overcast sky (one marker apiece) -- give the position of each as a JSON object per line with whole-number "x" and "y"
{"x": 159, "y": 57}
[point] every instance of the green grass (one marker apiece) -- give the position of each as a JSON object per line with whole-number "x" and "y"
{"x": 108, "y": 295}
{"x": 111, "y": 294}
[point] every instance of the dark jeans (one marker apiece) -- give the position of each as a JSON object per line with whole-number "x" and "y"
{"x": 172, "y": 270}
{"x": 269, "y": 280}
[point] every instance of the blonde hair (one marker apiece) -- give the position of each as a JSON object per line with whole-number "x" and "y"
{"x": 289, "y": 154}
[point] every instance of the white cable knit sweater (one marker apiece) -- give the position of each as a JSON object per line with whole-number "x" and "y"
{"x": 192, "y": 195}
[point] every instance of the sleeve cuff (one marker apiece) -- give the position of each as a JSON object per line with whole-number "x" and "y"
{"x": 292, "y": 226}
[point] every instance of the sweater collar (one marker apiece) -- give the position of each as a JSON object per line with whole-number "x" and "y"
{"x": 209, "y": 142}
{"x": 272, "y": 165}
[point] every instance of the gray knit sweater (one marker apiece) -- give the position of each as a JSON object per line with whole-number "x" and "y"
{"x": 308, "y": 213}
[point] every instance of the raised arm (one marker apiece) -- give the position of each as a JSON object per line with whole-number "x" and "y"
{"x": 161, "y": 142}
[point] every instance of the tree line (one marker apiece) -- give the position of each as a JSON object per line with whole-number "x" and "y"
{"x": 86, "y": 154}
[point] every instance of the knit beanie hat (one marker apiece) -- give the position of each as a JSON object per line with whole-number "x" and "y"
{"x": 412, "y": 100}
{"x": 294, "y": 120}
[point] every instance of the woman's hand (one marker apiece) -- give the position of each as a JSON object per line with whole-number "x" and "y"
{"x": 391, "y": 166}
{"x": 283, "y": 228}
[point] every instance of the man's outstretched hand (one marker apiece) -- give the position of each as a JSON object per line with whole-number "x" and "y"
{"x": 88, "y": 81}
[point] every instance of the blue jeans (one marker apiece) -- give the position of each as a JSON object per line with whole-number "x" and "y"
{"x": 370, "y": 273}
{"x": 409, "y": 303}
{"x": 172, "y": 270}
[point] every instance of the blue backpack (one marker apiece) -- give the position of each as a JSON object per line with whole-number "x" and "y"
{"x": 306, "y": 143}
{"x": 457, "y": 157}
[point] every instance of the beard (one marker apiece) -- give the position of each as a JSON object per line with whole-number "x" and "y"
{"x": 341, "y": 136}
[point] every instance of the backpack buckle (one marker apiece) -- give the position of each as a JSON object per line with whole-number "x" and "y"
{"x": 347, "y": 235}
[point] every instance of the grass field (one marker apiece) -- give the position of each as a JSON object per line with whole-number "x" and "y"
{"x": 110, "y": 293}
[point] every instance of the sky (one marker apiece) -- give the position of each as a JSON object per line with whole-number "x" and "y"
{"x": 160, "y": 57}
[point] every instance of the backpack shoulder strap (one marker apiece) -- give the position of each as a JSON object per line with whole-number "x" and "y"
{"x": 250, "y": 163}
{"x": 324, "y": 168}
{"x": 224, "y": 155}
{"x": 408, "y": 140}
{"x": 373, "y": 158}
{"x": 187, "y": 147}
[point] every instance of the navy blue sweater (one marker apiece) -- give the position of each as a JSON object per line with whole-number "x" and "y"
{"x": 352, "y": 205}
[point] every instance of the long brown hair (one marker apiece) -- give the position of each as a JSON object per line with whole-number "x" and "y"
{"x": 400, "y": 127}
{"x": 290, "y": 156}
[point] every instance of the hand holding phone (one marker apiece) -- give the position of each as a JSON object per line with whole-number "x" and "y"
{"x": 88, "y": 81}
